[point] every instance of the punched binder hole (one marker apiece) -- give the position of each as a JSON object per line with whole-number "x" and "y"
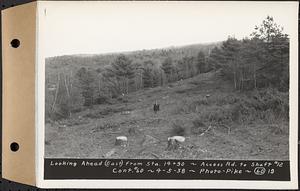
{"x": 15, "y": 43}
{"x": 14, "y": 146}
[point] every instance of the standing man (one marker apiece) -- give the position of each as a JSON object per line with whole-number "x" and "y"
{"x": 156, "y": 107}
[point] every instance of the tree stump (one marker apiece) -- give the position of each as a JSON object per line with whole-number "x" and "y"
{"x": 175, "y": 142}
{"x": 121, "y": 141}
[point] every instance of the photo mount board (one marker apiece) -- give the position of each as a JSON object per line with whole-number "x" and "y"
{"x": 18, "y": 93}
{"x": 22, "y": 105}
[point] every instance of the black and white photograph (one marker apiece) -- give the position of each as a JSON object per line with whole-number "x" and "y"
{"x": 167, "y": 80}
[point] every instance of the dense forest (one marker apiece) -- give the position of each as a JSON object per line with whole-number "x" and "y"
{"x": 255, "y": 62}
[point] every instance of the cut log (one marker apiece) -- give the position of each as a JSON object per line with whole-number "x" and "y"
{"x": 175, "y": 142}
{"x": 121, "y": 141}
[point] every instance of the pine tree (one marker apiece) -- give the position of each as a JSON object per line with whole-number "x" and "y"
{"x": 230, "y": 67}
{"x": 86, "y": 80}
{"x": 168, "y": 68}
{"x": 275, "y": 67}
{"x": 156, "y": 77}
{"x": 111, "y": 83}
{"x": 201, "y": 62}
{"x": 123, "y": 70}
{"x": 148, "y": 77}
{"x": 138, "y": 72}
{"x": 215, "y": 58}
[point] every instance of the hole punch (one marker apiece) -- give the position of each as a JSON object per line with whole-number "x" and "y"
{"x": 14, "y": 147}
{"x": 15, "y": 43}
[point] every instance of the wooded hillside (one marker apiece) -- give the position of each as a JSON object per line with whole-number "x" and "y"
{"x": 255, "y": 62}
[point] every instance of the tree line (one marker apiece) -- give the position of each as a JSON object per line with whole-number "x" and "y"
{"x": 124, "y": 76}
{"x": 260, "y": 61}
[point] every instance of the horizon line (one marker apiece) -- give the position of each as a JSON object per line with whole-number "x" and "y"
{"x": 132, "y": 51}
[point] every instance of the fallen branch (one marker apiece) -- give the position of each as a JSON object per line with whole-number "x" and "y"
{"x": 142, "y": 150}
{"x": 204, "y": 151}
{"x": 209, "y": 127}
{"x": 155, "y": 155}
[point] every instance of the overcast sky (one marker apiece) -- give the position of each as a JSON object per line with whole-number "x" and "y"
{"x": 100, "y": 27}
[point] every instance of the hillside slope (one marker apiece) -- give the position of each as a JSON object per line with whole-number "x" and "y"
{"x": 204, "y": 109}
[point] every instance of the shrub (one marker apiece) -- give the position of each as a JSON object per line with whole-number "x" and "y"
{"x": 228, "y": 99}
{"x": 185, "y": 107}
{"x": 122, "y": 99}
{"x": 219, "y": 114}
{"x": 104, "y": 111}
{"x": 106, "y": 125}
{"x": 180, "y": 91}
{"x": 267, "y": 105}
{"x": 77, "y": 109}
{"x": 60, "y": 111}
{"x": 243, "y": 113}
{"x": 102, "y": 99}
{"x": 198, "y": 126}
{"x": 179, "y": 128}
{"x": 202, "y": 101}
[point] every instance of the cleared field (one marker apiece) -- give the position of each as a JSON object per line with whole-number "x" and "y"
{"x": 223, "y": 125}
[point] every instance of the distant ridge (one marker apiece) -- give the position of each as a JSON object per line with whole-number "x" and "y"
{"x": 97, "y": 62}
{"x": 173, "y": 47}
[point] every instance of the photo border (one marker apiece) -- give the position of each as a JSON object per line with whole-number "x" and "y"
{"x": 293, "y": 132}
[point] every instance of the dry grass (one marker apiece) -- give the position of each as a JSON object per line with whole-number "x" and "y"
{"x": 252, "y": 125}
